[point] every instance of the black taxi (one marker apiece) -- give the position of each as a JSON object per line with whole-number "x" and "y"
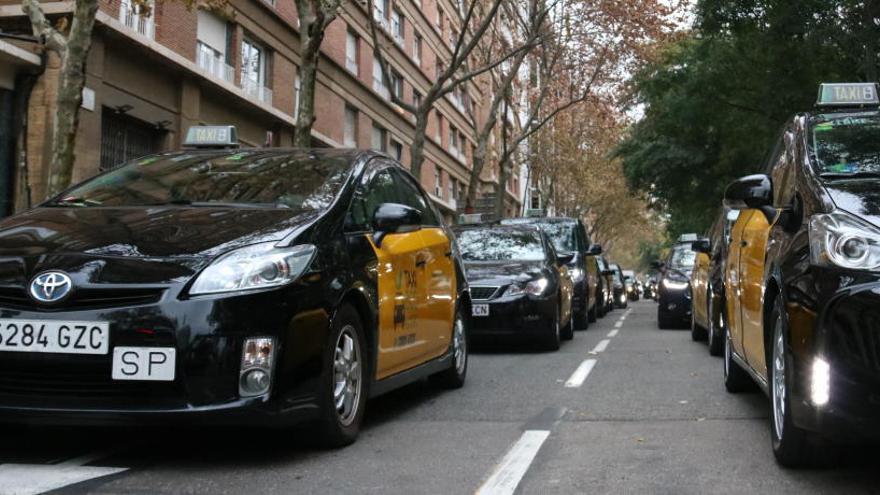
{"x": 803, "y": 277}
{"x": 262, "y": 286}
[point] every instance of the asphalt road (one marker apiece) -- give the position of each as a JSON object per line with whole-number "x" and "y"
{"x": 624, "y": 408}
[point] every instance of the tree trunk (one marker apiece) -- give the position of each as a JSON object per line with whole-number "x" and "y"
{"x": 311, "y": 35}
{"x": 501, "y": 189}
{"x": 69, "y": 98}
{"x": 417, "y": 150}
{"x": 479, "y": 161}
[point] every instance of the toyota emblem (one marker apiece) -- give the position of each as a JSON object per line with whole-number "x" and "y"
{"x": 51, "y": 287}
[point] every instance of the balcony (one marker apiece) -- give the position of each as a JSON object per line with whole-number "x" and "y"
{"x": 257, "y": 91}
{"x": 215, "y": 66}
{"x": 131, "y": 17}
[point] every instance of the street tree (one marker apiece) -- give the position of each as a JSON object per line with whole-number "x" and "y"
{"x": 314, "y": 17}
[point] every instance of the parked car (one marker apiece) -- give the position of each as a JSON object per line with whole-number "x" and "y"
{"x": 674, "y": 295}
{"x": 651, "y": 288}
{"x": 520, "y": 286}
{"x": 803, "y": 278}
{"x": 569, "y": 235}
{"x": 707, "y": 283}
{"x": 619, "y": 285}
{"x": 607, "y": 276}
{"x": 632, "y": 285}
{"x": 229, "y": 285}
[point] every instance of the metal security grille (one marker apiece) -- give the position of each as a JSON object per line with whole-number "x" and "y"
{"x": 124, "y": 138}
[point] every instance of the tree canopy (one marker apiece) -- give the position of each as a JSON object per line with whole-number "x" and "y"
{"x": 715, "y": 100}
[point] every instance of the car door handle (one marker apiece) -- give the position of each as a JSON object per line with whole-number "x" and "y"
{"x": 448, "y": 254}
{"x": 744, "y": 243}
{"x": 421, "y": 262}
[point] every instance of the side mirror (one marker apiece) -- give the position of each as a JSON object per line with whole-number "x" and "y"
{"x": 749, "y": 192}
{"x": 595, "y": 250}
{"x": 394, "y": 218}
{"x": 702, "y": 246}
{"x": 607, "y": 272}
{"x": 564, "y": 258}
{"x": 658, "y": 265}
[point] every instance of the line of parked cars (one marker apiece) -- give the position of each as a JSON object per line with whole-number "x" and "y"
{"x": 785, "y": 285}
{"x": 537, "y": 278}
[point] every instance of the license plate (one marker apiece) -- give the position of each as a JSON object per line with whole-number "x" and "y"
{"x": 144, "y": 363}
{"x": 59, "y": 337}
{"x": 481, "y": 310}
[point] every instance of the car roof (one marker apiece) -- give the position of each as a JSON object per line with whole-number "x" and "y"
{"x": 533, "y": 220}
{"x": 497, "y": 227}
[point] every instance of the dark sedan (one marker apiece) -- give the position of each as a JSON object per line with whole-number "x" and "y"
{"x": 265, "y": 286}
{"x": 519, "y": 286}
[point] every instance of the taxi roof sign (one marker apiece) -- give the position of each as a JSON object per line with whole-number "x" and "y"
{"x": 211, "y": 136}
{"x": 847, "y": 94}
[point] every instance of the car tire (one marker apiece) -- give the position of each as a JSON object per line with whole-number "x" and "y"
{"x": 592, "y": 315}
{"x": 552, "y": 339}
{"x": 736, "y": 379}
{"x": 715, "y": 341}
{"x": 581, "y": 319}
{"x": 567, "y": 331}
{"x": 792, "y": 446}
{"x": 341, "y": 428}
{"x": 664, "y": 322}
{"x": 454, "y": 376}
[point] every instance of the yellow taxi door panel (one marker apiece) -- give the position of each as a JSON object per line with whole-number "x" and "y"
{"x": 732, "y": 282}
{"x": 753, "y": 249}
{"x": 438, "y": 310}
{"x": 698, "y": 289}
{"x": 402, "y": 343}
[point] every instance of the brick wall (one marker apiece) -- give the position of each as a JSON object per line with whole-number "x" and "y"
{"x": 176, "y": 27}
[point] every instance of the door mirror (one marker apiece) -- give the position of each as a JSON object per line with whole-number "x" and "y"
{"x": 394, "y": 218}
{"x": 749, "y": 192}
{"x": 564, "y": 258}
{"x": 658, "y": 265}
{"x": 607, "y": 272}
{"x": 595, "y": 250}
{"x": 702, "y": 246}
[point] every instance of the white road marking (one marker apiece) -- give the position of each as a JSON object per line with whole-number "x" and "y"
{"x": 33, "y": 479}
{"x": 601, "y": 346}
{"x": 618, "y": 324}
{"x": 613, "y": 333}
{"x": 580, "y": 374}
{"x": 510, "y": 471}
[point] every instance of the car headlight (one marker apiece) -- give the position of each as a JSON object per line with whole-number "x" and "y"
{"x": 535, "y": 288}
{"x": 254, "y": 267}
{"x": 674, "y": 280}
{"x": 576, "y": 274}
{"x": 841, "y": 239}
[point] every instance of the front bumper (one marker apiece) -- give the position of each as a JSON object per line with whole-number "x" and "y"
{"x": 675, "y": 303}
{"x": 846, "y": 334}
{"x": 517, "y": 316}
{"x": 208, "y": 334}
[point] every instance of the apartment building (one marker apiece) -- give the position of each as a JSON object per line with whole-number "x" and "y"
{"x": 150, "y": 77}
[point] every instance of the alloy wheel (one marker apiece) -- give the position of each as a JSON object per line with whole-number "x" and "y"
{"x": 459, "y": 345}
{"x": 347, "y": 379}
{"x": 779, "y": 390}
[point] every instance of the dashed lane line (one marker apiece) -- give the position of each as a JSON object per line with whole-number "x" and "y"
{"x": 618, "y": 324}
{"x": 601, "y": 346}
{"x": 613, "y": 333}
{"x": 510, "y": 471}
{"x": 580, "y": 374}
{"x": 33, "y": 479}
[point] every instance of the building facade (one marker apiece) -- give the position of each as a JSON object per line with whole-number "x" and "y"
{"x": 152, "y": 75}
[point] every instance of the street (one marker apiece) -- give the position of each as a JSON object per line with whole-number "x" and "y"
{"x": 649, "y": 415}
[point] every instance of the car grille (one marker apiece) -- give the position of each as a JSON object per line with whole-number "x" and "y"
{"x": 483, "y": 292}
{"x": 82, "y": 381}
{"x": 17, "y": 298}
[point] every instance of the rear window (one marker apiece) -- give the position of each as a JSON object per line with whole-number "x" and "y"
{"x": 683, "y": 257}
{"x": 500, "y": 245}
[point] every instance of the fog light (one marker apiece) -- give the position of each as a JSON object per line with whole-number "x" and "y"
{"x": 254, "y": 382}
{"x": 255, "y": 376}
{"x": 820, "y": 382}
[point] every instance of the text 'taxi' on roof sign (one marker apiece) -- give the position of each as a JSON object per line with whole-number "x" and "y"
{"x": 847, "y": 94}
{"x": 211, "y": 136}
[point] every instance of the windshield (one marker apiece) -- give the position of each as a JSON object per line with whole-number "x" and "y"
{"x": 248, "y": 178}
{"x": 683, "y": 257}
{"x": 846, "y": 144}
{"x": 562, "y": 235}
{"x": 500, "y": 245}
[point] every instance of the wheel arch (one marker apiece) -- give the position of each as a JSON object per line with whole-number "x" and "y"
{"x": 772, "y": 291}
{"x": 369, "y": 319}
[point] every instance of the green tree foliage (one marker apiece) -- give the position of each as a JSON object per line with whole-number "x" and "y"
{"x": 714, "y": 102}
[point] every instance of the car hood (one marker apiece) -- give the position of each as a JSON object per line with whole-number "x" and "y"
{"x": 133, "y": 245}
{"x": 502, "y": 273}
{"x": 860, "y": 197}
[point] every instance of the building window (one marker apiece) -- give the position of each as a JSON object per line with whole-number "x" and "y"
{"x": 452, "y": 188}
{"x": 380, "y": 138}
{"x": 136, "y": 15}
{"x": 350, "y": 125}
{"x": 378, "y": 80}
{"x": 453, "y": 140}
{"x": 438, "y": 184}
{"x": 397, "y": 150}
{"x": 125, "y": 138}
{"x": 380, "y": 12}
{"x": 439, "y": 130}
{"x": 254, "y": 71}
{"x": 417, "y": 49}
{"x": 352, "y": 52}
{"x": 397, "y": 85}
{"x": 398, "y": 26}
{"x": 211, "y": 46}
{"x": 297, "y": 83}
{"x": 417, "y": 98}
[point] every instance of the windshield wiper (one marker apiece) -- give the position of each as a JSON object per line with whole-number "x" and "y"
{"x": 849, "y": 175}
{"x": 73, "y": 201}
